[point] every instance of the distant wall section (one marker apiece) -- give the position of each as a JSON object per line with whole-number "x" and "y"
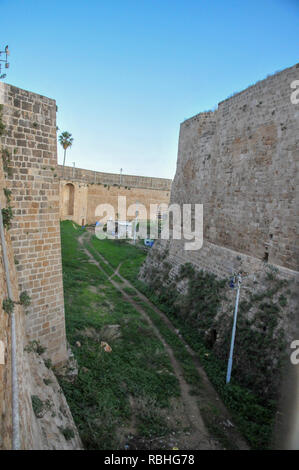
{"x": 88, "y": 189}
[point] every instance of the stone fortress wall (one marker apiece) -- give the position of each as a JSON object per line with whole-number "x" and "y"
{"x": 30, "y": 138}
{"x": 130, "y": 181}
{"x": 28, "y": 169}
{"x": 81, "y": 191}
{"x": 27, "y": 154}
{"x": 241, "y": 163}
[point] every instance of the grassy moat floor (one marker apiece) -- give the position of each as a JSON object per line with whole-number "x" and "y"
{"x": 139, "y": 384}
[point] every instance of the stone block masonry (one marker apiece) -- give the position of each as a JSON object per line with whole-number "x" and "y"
{"x": 81, "y": 191}
{"x": 241, "y": 163}
{"x": 30, "y": 121}
{"x": 97, "y": 177}
{"x": 35, "y": 433}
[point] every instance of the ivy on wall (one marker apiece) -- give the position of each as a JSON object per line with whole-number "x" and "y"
{"x": 7, "y": 213}
{"x": 2, "y": 125}
{"x": 8, "y": 304}
{"x": 205, "y": 305}
{"x": 201, "y": 307}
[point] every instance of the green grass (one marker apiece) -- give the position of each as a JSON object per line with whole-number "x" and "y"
{"x": 131, "y": 258}
{"x": 131, "y": 292}
{"x": 68, "y": 433}
{"x": 117, "y": 252}
{"x": 190, "y": 372}
{"x": 99, "y": 398}
{"x": 254, "y": 418}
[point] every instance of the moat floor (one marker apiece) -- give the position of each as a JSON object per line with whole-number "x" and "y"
{"x": 139, "y": 385}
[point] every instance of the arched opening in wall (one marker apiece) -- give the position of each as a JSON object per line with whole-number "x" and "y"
{"x": 211, "y": 337}
{"x": 266, "y": 254}
{"x": 69, "y": 198}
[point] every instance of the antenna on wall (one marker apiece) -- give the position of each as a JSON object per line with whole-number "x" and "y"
{"x": 6, "y": 63}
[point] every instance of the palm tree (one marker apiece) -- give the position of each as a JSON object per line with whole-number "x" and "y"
{"x": 66, "y": 140}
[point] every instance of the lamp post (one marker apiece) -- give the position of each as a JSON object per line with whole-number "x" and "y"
{"x": 237, "y": 279}
{"x": 6, "y": 63}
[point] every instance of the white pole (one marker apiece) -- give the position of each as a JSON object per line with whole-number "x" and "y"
{"x": 136, "y": 221}
{"x": 231, "y": 354}
{"x": 14, "y": 370}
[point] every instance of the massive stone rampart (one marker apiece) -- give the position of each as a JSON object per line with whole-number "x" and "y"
{"x": 30, "y": 140}
{"x": 35, "y": 380}
{"x": 241, "y": 163}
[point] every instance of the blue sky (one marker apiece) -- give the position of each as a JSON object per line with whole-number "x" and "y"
{"x": 126, "y": 73}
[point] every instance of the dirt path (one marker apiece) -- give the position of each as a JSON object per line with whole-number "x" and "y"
{"x": 199, "y": 438}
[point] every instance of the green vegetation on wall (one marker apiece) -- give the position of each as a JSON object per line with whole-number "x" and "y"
{"x": 205, "y": 306}
{"x": 203, "y": 313}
